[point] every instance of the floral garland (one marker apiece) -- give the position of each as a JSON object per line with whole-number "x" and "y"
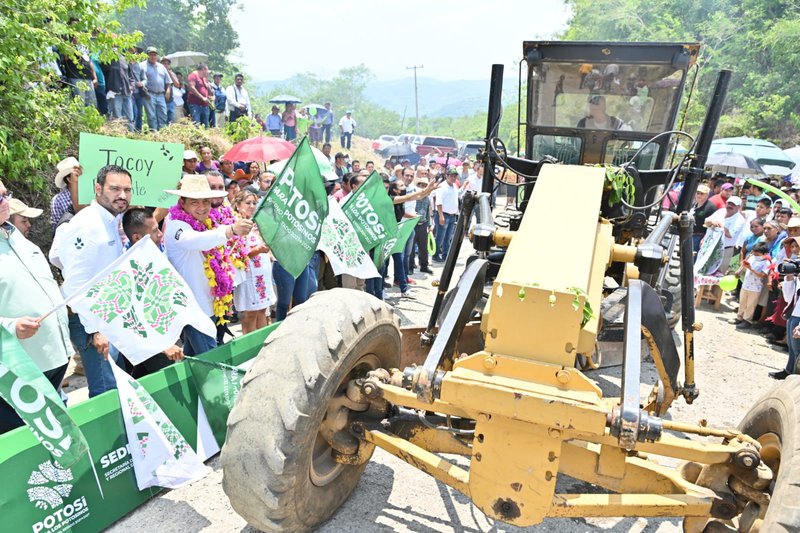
{"x": 218, "y": 263}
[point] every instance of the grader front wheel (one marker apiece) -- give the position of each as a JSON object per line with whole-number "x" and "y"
{"x": 278, "y": 465}
{"x": 775, "y": 422}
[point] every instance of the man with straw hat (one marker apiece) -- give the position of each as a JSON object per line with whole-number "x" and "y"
{"x": 197, "y": 249}
{"x": 21, "y": 215}
{"x": 66, "y": 201}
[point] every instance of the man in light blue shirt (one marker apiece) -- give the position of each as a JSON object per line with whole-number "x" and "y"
{"x": 27, "y": 292}
{"x": 158, "y": 83}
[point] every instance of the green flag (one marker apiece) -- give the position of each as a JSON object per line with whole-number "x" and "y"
{"x": 291, "y": 214}
{"x": 24, "y": 387}
{"x": 371, "y": 211}
{"x": 395, "y": 244}
{"x": 218, "y": 385}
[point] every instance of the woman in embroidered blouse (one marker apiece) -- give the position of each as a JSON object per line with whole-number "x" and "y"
{"x": 255, "y": 294}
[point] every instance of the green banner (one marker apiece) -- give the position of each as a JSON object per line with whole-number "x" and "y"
{"x": 24, "y": 387}
{"x": 154, "y": 166}
{"x": 41, "y": 496}
{"x": 218, "y": 385}
{"x": 291, "y": 214}
{"x": 396, "y": 244}
{"x": 371, "y": 211}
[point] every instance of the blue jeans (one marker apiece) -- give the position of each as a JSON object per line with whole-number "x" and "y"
{"x": 170, "y": 112}
{"x": 794, "y": 344}
{"x": 345, "y": 140}
{"x": 195, "y": 342}
{"x": 326, "y": 132}
{"x": 122, "y": 107}
{"x": 138, "y": 106}
{"x": 445, "y": 235}
{"x": 290, "y": 132}
{"x": 408, "y": 254}
{"x": 374, "y": 286}
{"x": 293, "y": 290}
{"x": 156, "y": 108}
{"x": 98, "y": 370}
{"x": 400, "y": 276}
{"x": 100, "y": 96}
{"x": 199, "y": 113}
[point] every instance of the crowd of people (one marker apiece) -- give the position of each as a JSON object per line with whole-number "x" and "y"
{"x": 152, "y": 92}
{"x": 209, "y": 237}
{"x": 741, "y": 231}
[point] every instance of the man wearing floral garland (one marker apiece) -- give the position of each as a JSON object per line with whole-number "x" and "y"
{"x": 197, "y": 248}
{"x": 237, "y": 250}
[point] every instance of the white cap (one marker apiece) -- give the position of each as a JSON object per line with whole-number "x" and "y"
{"x": 735, "y": 200}
{"x": 19, "y": 208}
{"x": 189, "y": 154}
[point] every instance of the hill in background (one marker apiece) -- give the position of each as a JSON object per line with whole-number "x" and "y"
{"x": 437, "y": 98}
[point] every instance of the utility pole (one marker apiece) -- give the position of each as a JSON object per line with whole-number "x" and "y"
{"x": 416, "y": 93}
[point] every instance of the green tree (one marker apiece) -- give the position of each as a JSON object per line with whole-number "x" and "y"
{"x": 196, "y": 25}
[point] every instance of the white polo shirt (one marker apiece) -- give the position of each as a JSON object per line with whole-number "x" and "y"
{"x": 86, "y": 245}
{"x": 185, "y": 248}
{"x": 447, "y": 197}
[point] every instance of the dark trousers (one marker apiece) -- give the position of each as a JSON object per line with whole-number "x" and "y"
{"x": 421, "y": 240}
{"x": 326, "y": 132}
{"x": 154, "y": 364}
{"x": 345, "y": 140}
{"x": 9, "y": 419}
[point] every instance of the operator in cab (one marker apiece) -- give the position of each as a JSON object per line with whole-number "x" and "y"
{"x": 598, "y": 119}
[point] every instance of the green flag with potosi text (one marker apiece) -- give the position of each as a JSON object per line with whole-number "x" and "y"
{"x": 371, "y": 212}
{"x": 24, "y": 387}
{"x": 291, "y": 214}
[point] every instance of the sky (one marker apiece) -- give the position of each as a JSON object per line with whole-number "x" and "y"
{"x": 449, "y": 38}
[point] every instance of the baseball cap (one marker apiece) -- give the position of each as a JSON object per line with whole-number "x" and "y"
{"x": 339, "y": 155}
{"x": 735, "y": 200}
{"x": 189, "y": 154}
{"x": 452, "y": 170}
{"x": 218, "y": 75}
{"x": 152, "y": 50}
{"x": 17, "y": 207}
{"x": 703, "y": 188}
{"x": 726, "y": 186}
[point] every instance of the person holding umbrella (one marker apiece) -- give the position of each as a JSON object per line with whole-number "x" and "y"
{"x": 289, "y": 122}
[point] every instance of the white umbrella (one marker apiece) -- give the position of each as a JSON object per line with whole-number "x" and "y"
{"x": 285, "y": 99}
{"x": 793, "y": 153}
{"x": 186, "y": 59}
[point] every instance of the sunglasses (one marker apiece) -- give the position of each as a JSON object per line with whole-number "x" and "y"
{"x": 5, "y": 197}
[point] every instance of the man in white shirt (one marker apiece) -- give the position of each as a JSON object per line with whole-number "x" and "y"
{"x": 347, "y": 125}
{"x": 186, "y": 246}
{"x": 447, "y": 214}
{"x": 238, "y": 101}
{"x": 731, "y": 221}
{"x": 87, "y": 244}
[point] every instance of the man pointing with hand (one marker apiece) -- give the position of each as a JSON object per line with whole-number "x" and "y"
{"x": 27, "y": 292}
{"x": 196, "y": 247}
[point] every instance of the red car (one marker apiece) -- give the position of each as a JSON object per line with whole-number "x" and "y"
{"x": 439, "y": 146}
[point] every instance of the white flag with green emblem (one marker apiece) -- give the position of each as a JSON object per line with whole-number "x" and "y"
{"x": 342, "y": 247}
{"x": 161, "y": 456}
{"x": 140, "y": 303}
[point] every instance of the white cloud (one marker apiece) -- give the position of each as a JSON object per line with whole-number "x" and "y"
{"x": 452, "y": 39}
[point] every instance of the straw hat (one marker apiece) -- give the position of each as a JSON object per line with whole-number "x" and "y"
{"x": 17, "y": 207}
{"x": 195, "y": 186}
{"x": 65, "y": 167}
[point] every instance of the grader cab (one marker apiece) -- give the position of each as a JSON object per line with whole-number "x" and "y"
{"x": 493, "y": 377}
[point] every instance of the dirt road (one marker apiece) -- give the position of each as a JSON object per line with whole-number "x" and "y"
{"x": 732, "y": 371}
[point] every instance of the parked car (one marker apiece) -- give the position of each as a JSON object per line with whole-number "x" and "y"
{"x": 470, "y": 149}
{"x": 383, "y": 142}
{"x": 438, "y": 146}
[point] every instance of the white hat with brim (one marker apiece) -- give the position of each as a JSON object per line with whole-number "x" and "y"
{"x": 17, "y": 207}
{"x": 189, "y": 154}
{"x": 65, "y": 168}
{"x": 196, "y": 186}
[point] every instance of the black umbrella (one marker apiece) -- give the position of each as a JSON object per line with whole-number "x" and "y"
{"x": 733, "y": 163}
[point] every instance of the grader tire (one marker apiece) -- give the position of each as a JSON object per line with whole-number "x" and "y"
{"x": 775, "y": 422}
{"x": 278, "y": 472}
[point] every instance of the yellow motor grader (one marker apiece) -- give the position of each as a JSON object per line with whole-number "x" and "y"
{"x": 494, "y": 376}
